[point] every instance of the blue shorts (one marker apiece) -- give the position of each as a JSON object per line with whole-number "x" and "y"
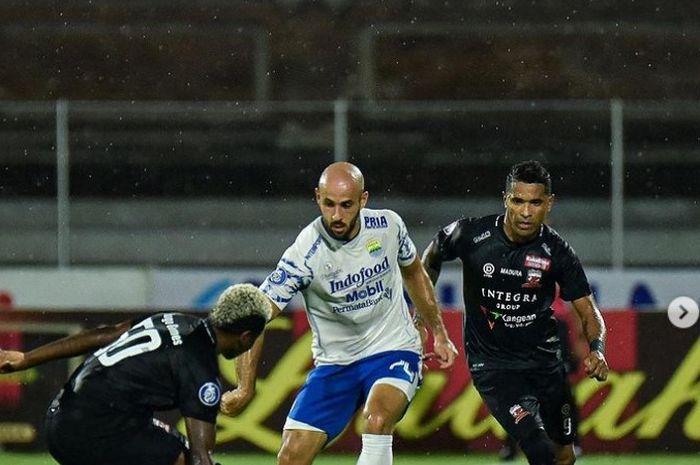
{"x": 333, "y": 393}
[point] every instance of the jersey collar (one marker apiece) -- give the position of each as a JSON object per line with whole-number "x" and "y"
{"x": 210, "y": 330}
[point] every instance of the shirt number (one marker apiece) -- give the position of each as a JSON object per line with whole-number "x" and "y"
{"x": 141, "y": 338}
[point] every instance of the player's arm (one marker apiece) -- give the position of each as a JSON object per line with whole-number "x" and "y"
{"x": 235, "y": 400}
{"x": 594, "y": 329}
{"x": 69, "y": 346}
{"x": 202, "y": 438}
{"x": 432, "y": 261}
{"x": 422, "y": 293}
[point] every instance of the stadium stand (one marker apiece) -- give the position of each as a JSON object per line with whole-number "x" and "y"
{"x": 189, "y": 119}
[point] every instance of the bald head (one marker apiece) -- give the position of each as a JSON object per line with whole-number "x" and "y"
{"x": 342, "y": 174}
{"x": 340, "y": 196}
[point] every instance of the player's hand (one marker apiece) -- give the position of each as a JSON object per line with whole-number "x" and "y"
{"x": 11, "y": 360}
{"x": 445, "y": 351}
{"x": 596, "y": 366}
{"x": 235, "y": 401}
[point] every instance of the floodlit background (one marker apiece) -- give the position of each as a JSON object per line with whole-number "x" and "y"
{"x": 153, "y": 153}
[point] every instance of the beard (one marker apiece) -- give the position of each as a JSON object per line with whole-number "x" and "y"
{"x": 348, "y": 230}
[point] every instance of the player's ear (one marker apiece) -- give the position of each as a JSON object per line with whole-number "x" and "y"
{"x": 317, "y": 195}
{"x": 247, "y": 339}
{"x": 550, "y": 203}
{"x": 363, "y": 199}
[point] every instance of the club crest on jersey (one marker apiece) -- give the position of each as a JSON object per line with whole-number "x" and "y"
{"x": 488, "y": 269}
{"x": 376, "y": 223}
{"x": 534, "y": 279}
{"x": 210, "y": 394}
{"x": 518, "y": 413}
{"x": 278, "y": 276}
{"x": 374, "y": 247}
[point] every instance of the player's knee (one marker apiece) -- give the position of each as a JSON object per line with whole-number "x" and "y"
{"x": 289, "y": 454}
{"x": 379, "y": 423}
{"x": 538, "y": 448}
{"x": 293, "y": 453}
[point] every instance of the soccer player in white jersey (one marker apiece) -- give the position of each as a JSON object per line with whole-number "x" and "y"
{"x": 351, "y": 265}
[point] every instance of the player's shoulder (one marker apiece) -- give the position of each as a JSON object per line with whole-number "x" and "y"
{"x": 309, "y": 234}
{"x": 472, "y": 225}
{"x": 554, "y": 240}
{"x": 176, "y": 322}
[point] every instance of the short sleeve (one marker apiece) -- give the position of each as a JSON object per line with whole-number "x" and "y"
{"x": 573, "y": 283}
{"x": 448, "y": 240}
{"x": 407, "y": 249}
{"x": 199, "y": 391}
{"x": 291, "y": 275}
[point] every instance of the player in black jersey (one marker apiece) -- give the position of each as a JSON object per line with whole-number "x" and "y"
{"x": 511, "y": 264}
{"x": 104, "y": 413}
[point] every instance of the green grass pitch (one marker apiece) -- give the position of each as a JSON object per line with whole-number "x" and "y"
{"x": 400, "y": 459}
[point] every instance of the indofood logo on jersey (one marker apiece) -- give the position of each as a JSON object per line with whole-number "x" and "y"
{"x": 358, "y": 278}
{"x": 374, "y": 247}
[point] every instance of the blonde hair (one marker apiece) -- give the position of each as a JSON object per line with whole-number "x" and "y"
{"x": 239, "y": 308}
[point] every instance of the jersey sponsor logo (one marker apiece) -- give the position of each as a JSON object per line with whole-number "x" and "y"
{"x": 488, "y": 270}
{"x": 533, "y": 280}
{"x": 507, "y": 302}
{"x": 173, "y": 329}
{"x": 486, "y": 313}
{"x": 359, "y": 278}
{"x": 518, "y": 413}
{"x": 481, "y": 237}
{"x": 518, "y": 321}
{"x": 511, "y": 272}
{"x": 546, "y": 249}
{"x": 278, "y": 276}
{"x": 210, "y": 394}
{"x": 537, "y": 262}
{"x": 376, "y": 223}
{"x": 509, "y": 321}
{"x": 358, "y": 306}
{"x": 506, "y": 296}
{"x": 374, "y": 247}
{"x": 369, "y": 291}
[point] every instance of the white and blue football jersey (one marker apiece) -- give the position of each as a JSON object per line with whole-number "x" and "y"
{"x": 353, "y": 291}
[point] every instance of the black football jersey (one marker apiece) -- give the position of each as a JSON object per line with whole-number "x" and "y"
{"x": 508, "y": 291}
{"x": 165, "y": 361}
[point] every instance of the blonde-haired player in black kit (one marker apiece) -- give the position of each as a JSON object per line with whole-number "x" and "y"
{"x": 104, "y": 413}
{"x": 511, "y": 264}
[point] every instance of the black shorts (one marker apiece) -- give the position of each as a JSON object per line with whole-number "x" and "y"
{"x": 83, "y": 433}
{"x": 523, "y": 401}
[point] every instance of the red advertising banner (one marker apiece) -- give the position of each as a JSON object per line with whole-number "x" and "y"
{"x": 650, "y": 402}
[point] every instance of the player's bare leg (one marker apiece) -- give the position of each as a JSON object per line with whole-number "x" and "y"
{"x": 565, "y": 454}
{"x": 180, "y": 460}
{"x": 384, "y": 408}
{"x": 300, "y": 447}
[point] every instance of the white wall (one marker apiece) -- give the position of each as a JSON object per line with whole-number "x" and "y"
{"x": 181, "y": 288}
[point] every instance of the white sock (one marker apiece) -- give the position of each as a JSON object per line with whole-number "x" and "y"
{"x": 376, "y": 450}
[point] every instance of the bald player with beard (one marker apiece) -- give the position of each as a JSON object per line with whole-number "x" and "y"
{"x": 351, "y": 265}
